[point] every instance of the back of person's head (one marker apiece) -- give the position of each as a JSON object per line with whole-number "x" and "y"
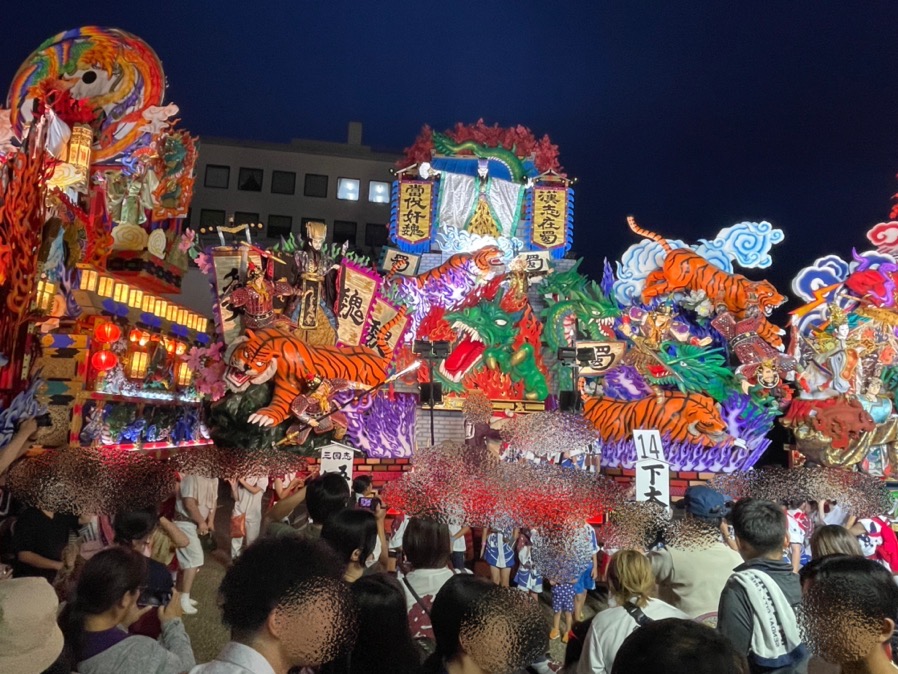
{"x": 705, "y": 504}
{"x": 678, "y": 646}
{"x": 760, "y": 527}
{"x": 352, "y": 533}
{"x": 361, "y": 484}
{"x": 290, "y": 589}
{"x": 629, "y": 575}
{"x": 425, "y": 544}
{"x": 384, "y": 640}
{"x": 453, "y": 602}
{"x": 833, "y": 539}
{"x": 134, "y": 526}
{"x": 30, "y": 639}
{"x": 326, "y": 495}
{"x": 105, "y": 580}
{"x": 577, "y": 638}
{"x": 850, "y": 607}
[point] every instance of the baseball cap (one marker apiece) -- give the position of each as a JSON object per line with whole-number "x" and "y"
{"x": 702, "y": 501}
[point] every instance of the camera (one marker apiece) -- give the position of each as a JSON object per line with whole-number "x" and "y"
{"x": 44, "y": 420}
{"x": 152, "y": 597}
{"x": 369, "y": 502}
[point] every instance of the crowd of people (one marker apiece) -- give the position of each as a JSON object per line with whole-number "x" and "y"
{"x": 319, "y": 582}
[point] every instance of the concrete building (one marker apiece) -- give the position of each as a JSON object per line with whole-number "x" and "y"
{"x": 346, "y": 185}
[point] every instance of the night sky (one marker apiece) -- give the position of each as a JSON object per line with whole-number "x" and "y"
{"x": 693, "y": 116}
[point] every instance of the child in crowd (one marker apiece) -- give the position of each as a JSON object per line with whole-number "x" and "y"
{"x": 394, "y": 547}
{"x": 527, "y": 578}
{"x": 587, "y": 580}
{"x": 798, "y": 513}
{"x": 563, "y": 594}
{"x": 246, "y": 517}
{"x": 457, "y": 533}
{"x": 496, "y": 551}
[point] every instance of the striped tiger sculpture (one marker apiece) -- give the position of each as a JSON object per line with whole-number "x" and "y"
{"x": 685, "y": 270}
{"x": 685, "y": 417}
{"x": 273, "y": 354}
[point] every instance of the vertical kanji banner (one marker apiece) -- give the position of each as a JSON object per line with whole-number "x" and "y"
{"x": 550, "y": 217}
{"x": 411, "y": 222}
{"x": 382, "y": 312}
{"x": 358, "y": 288}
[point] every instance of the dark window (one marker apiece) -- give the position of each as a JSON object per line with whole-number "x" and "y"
{"x": 210, "y": 219}
{"x": 241, "y": 218}
{"x": 345, "y": 231}
{"x": 217, "y": 176}
{"x": 279, "y": 225}
{"x": 375, "y": 235}
{"x": 316, "y": 186}
{"x": 283, "y": 182}
{"x": 250, "y": 180}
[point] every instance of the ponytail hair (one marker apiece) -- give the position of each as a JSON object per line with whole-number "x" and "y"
{"x": 106, "y": 578}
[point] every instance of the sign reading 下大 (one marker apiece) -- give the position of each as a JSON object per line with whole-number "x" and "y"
{"x": 549, "y": 228}
{"x": 600, "y": 357}
{"x": 337, "y": 459}
{"x": 648, "y": 445}
{"x": 358, "y": 287}
{"x": 653, "y": 482}
{"x": 229, "y": 264}
{"x": 414, "y": 213}
{"x": 382, "y": 312}
{"x": 399, "y": 262}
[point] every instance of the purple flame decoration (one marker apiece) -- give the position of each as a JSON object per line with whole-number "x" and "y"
{"x": 381, "y": 427}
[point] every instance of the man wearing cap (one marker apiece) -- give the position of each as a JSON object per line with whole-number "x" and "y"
{"x": 30, "y": 639}
{"x": 691, "y": 579}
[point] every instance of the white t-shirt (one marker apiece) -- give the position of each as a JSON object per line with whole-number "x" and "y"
{"x": 248, "y": 503}
{"x": 458, "y": 544}
{"x": 836, "y": 515}
{"x": 203, "y": 489}
{"x": 608, "y": 631}
{"x": 425, "y": 582}
{"x": 799, "y": 529}
{"x": 396, "y": 537}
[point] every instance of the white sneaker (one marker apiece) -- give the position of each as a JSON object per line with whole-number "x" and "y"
{"x": 188, "y": 608}
{"x": 193, "y": 602}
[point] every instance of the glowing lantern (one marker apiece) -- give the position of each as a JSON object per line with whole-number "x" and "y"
{"x": 88, "y": 280}
{"x": 137, "y": 366}
{"x": 103, "y": 360}
{"x": 107, "y": 332}
{"x": 46, "y": 291}
{"x": 105, "y": 287}
{"x": 185, "y": 374}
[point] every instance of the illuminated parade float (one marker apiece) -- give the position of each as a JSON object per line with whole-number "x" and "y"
{"x": 475, "y": 314}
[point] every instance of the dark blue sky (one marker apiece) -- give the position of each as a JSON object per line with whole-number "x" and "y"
{"x": 691, "y": 115}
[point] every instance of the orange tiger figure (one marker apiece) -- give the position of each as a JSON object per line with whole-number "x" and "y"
{"x": 273, "y": 354}
{"x": 687, "y": 417}
{"x": 686, "y": 270}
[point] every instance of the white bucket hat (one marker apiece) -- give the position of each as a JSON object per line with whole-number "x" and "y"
{"x": 30, "y": 639}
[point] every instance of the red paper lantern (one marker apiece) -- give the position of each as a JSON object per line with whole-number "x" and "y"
{"x": 103, "y": 360}
{"x": 107, "y": 332}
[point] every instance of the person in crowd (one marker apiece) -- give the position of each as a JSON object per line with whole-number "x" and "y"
{"x": 39, "y": 538}
{"x": 851, "y": 609}
{"x": 323, "y": 495}
{"x": 105, "y": 604}
{"x": 495, "y": 549}
{"x": 832, "y": 512}
{"x": 20, "y": 443}
{"x": 798, "y": 512}
{"x": 458, "y": 532}
{"x": 354, "y": 533}
{"x": 384, "y": 644}
{"x": 30, "y": 639}
{"x": 573, "y": 652}
{"x": 135, "y": 530}
{"x": 691, "y": 579}
{"x": 587, "y": 579}
{"x": 677, "y": 646}
{"x": 426, "y": 548}
{"x": 832, "y": 539}
{"x": 877, "y": 541}
{"x": 286, "y": 606}
{"x": 195, "y": 516}
{"x": 757, "y": 605}
{"x": 284, "y": 485}
{"x": 631, "y": 583}
{"x": 450, "y": 606}
{"x": 564, "y": 591}
{"x": 527, "y": 578}
{"x": 397, "y": 532}
{"x": 363, "y": 487}
{"x": 246, "y": 517}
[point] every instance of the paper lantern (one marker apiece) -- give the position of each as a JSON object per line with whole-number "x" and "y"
{"x": 107, "y": 332}
{"x": 103, "y": 360}
{"x": 138, "y": 365}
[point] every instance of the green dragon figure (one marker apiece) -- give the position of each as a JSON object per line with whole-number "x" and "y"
{"x": 565, "y": 284}
{"x": 486, "y": 334}
{"x": 691, "y": 369}
{"x": 587, "y": 311}
{"x": 443, "y": 144}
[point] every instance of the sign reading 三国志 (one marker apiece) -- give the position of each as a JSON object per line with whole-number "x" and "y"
{"x": 337, "y": 458}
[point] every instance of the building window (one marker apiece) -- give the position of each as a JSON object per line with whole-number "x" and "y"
{"x": 217, "y": 176}
{"x": 378, "y": 192}
{"x": 279, "y": 225}
{"x": 345, "y": 231}
{"x": 210, "y": 219}
{"x": 375, "y": 235}
{"x": 241, "y": 218}
{"x": 250, "y": 180}
{"x": 283, "y": 182}
{"x": 348, "y": 189}
{"x": 316, "y": 186}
